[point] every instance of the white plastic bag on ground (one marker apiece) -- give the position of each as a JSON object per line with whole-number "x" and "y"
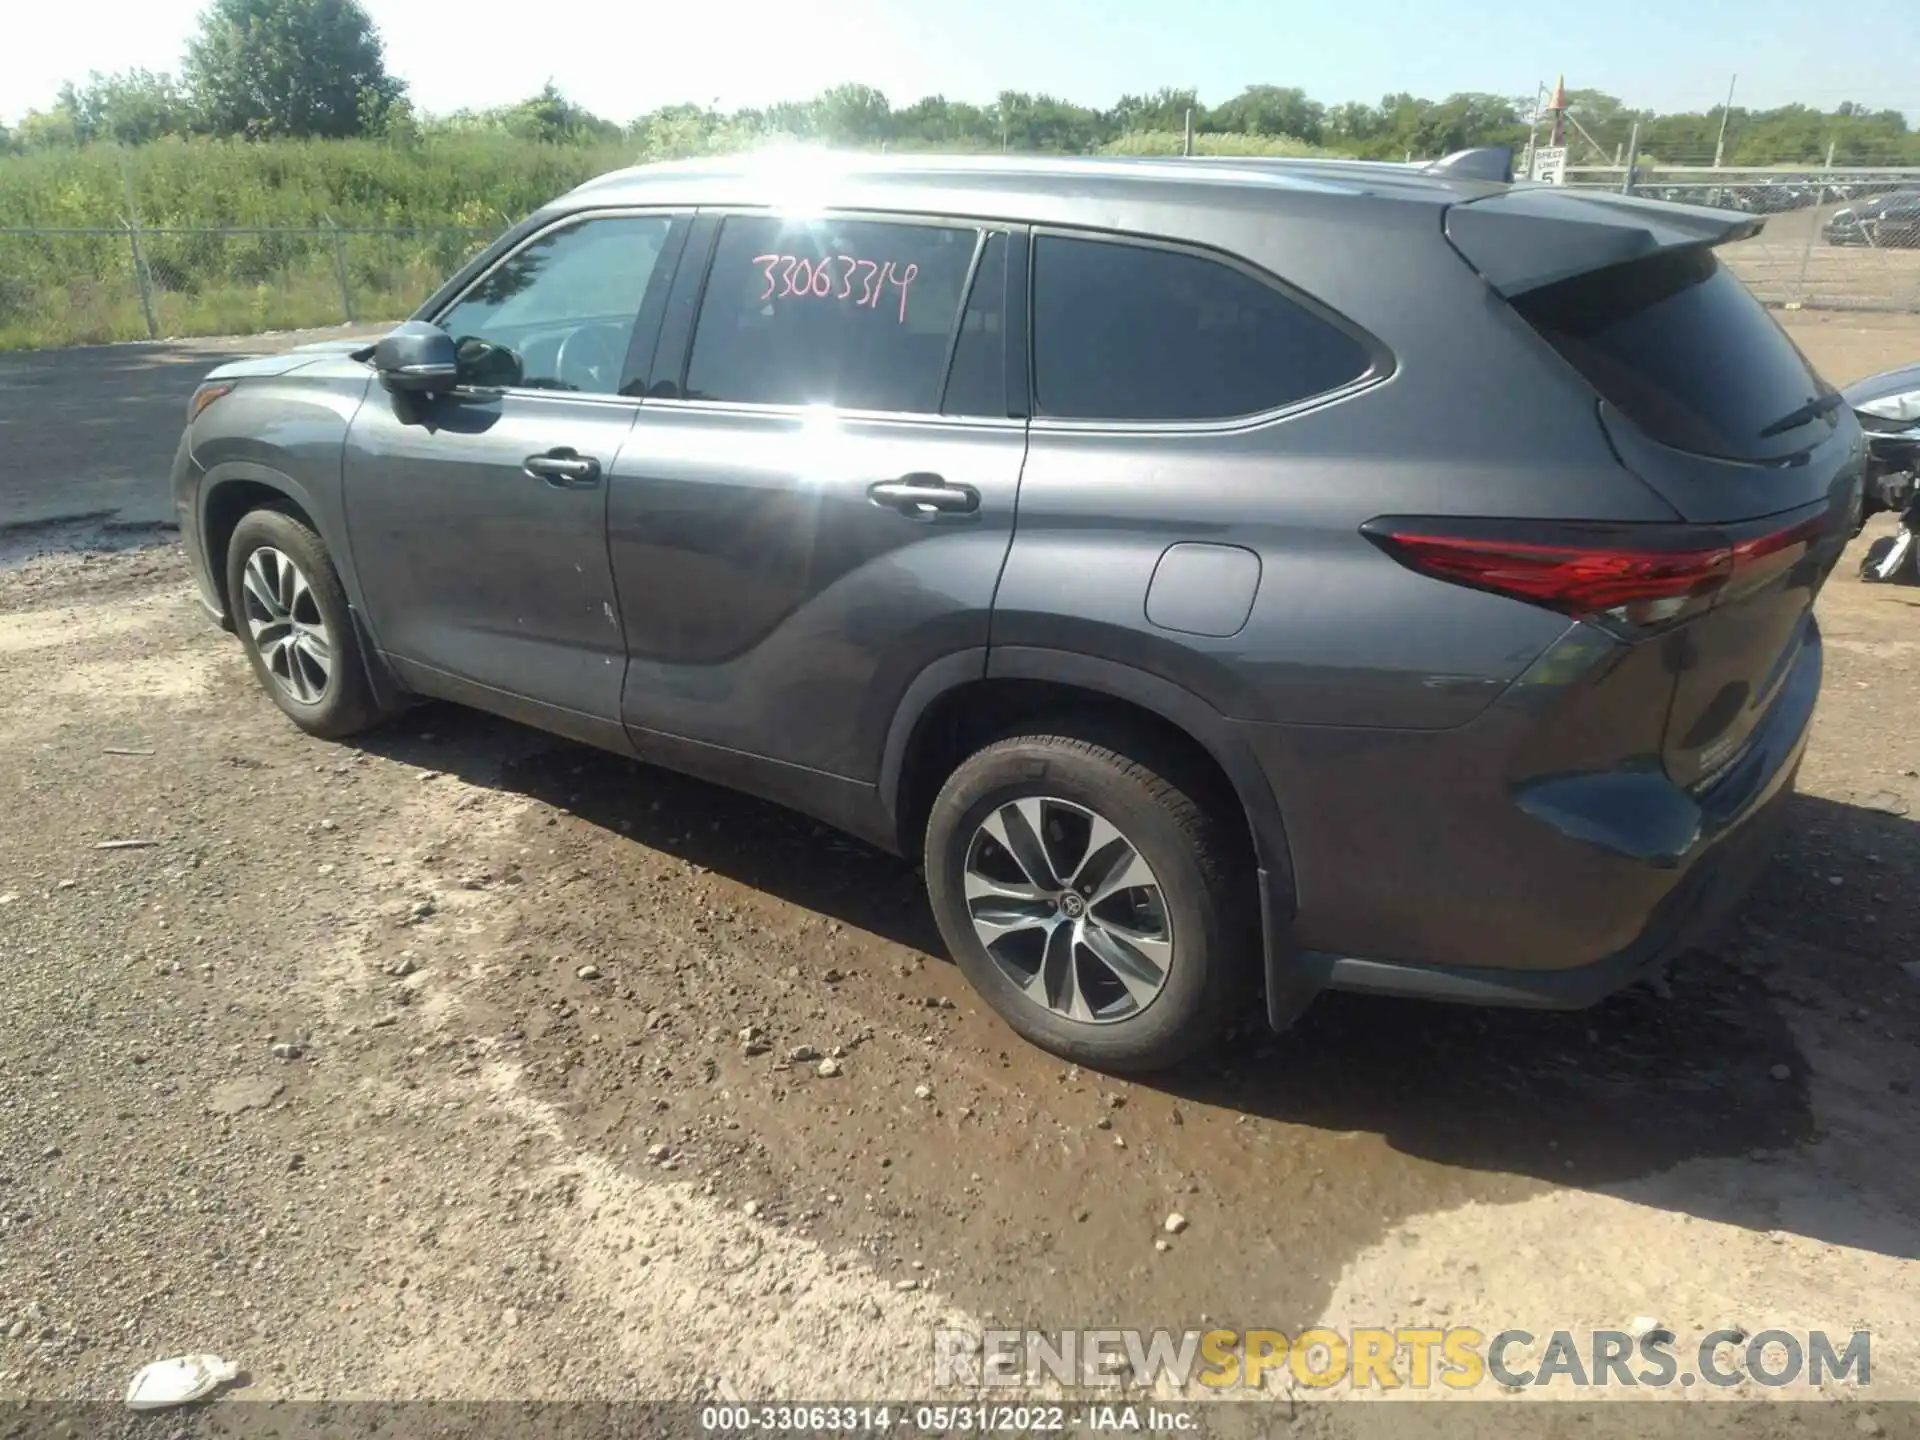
{"x": 178, "y": 1381}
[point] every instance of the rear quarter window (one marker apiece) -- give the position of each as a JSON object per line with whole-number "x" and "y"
{"x": 1129, "y": 332}
{"x": 1680, "y": 347}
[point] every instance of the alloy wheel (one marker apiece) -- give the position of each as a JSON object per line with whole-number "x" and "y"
{"x": 283, "y": 617}
{"x": 1068, "y": 909}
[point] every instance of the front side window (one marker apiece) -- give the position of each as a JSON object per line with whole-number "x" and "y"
{"x": 1137, "y": 333}
{"x": 857, "y": 314}
{"x": 558, "y": 313}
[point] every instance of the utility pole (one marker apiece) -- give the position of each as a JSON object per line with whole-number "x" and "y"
{"x": 1633, "y": 158}
{"x": 1720, "y": 146}
{"x": 1533, "y": 130}
{"x": 142, "y": 276}
{"x": 1186, "y": 145}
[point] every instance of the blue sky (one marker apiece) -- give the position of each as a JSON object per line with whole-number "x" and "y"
{"x": 621, "y": 57}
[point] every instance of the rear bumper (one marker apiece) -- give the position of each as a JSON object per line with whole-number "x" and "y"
{"x": 1422, "y": 871}
{"x": 1691, "y": 912}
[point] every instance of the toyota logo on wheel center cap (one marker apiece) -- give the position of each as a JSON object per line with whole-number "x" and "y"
{"x": 1072, "y": 906}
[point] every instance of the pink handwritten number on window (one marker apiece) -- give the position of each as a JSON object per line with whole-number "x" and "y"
{"x": 800, "y": 277}
{"x": 769, "y": 261}
{"x": 903, "y": 280}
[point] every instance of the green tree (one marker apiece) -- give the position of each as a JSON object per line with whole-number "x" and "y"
{"x": 130, "y": 108}
{"x": 939, "y": 123}
{"x": 1463, "y": 121}
{"x": 263, "y": 68}
{"x": 1351, "y": 123}
{"x": 1272, "y": 110}
{"x": 1162, "y": 110}
{"x": 1040, "y": 122}
{"x": 550, "y": 118}
{"x": 853, "y": 115}
{"x": 48, "y": 129}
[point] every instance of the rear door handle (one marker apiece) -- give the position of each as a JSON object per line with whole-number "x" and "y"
{"x": 923, "y": 496}
{"x": 565, "y": 468}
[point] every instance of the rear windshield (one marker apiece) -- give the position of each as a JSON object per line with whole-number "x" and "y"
{"x": 1679, "y": 346}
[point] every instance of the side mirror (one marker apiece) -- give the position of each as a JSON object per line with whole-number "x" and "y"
{"x": 417, "y": 357}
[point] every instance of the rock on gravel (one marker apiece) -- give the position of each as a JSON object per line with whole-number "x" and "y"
{"x": 254, "y": 1093}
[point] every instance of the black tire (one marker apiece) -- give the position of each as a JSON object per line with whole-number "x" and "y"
{"x": 1876, "y": 555}
{"x": 346, "y": 704}
{"x": 1205, "y": 878}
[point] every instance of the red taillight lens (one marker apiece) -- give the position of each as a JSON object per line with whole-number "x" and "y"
{"x": 1576, "y": 579}
{"x": 1636, "y": 575}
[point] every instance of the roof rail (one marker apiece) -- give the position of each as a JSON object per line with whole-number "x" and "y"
{"x": 1489, "y": 162}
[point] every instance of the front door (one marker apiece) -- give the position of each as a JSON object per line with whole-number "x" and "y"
{"x": 818, "y": 505}
{"x": 478, "y": 518}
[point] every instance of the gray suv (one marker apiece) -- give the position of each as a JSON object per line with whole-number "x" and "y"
{"x": 1232, "y": 580}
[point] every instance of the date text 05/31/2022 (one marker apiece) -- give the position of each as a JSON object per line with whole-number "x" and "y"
{"x": 835, "y": 277}
{"x": 947, "y": 1419}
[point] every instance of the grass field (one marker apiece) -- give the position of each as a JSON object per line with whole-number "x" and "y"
{"x": 409, "y": 214}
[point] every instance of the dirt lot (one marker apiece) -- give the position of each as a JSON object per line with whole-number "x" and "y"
{"x": 413, "y": 1068}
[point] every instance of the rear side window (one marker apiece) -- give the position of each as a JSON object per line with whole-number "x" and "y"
{"x": 1679, "y": 347}
{"x": 858, "y": 314}
{"x": 977, "y": 381}
{"x": 1132, "y": 332}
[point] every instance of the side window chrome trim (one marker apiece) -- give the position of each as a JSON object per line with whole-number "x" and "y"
{"x": 801, "y": 412}
{"x": 540, "y": 392}
{"x": 1381, "y": 362}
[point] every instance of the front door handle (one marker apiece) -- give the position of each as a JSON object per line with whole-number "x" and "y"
{"x": 923, "y": 496}
{"x": 565, "y": 468}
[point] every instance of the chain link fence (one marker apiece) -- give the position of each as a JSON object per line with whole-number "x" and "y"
{"x": 88, "y": 286}
{"x": 1835, "y": 238}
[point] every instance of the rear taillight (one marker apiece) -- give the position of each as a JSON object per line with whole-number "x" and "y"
{"x": 1626, "y": 576}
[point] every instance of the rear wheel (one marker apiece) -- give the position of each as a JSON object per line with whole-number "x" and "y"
{"x": 291, "y": 613}
{"x": 1090, "y": 896}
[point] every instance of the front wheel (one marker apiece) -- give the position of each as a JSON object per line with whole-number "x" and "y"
{"x": 1092, "y": 898}
{"x": 291, "y": 613}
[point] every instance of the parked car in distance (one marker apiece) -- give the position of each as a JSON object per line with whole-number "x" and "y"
{"x": 1230, "y": 579}
{"x": 1890, "y": 221}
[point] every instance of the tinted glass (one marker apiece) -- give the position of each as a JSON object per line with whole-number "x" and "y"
{"x": 558, "y": 314}
{"x": 1681, "y": 348}
{"x": 977, "y": 383}
{"x": 857, "y": 314}
{"x": 1124, "y": 332}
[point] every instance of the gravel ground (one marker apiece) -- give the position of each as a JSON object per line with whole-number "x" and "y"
{"x": 460, "y": 1062}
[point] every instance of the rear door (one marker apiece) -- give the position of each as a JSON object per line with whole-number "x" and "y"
{"x": 1707, "y": 401}
{"x": 478, "y": 518}
{"x": 818, "y": 497}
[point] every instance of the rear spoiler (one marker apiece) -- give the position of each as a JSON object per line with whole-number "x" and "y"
{"x": 1533, "y": 235}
